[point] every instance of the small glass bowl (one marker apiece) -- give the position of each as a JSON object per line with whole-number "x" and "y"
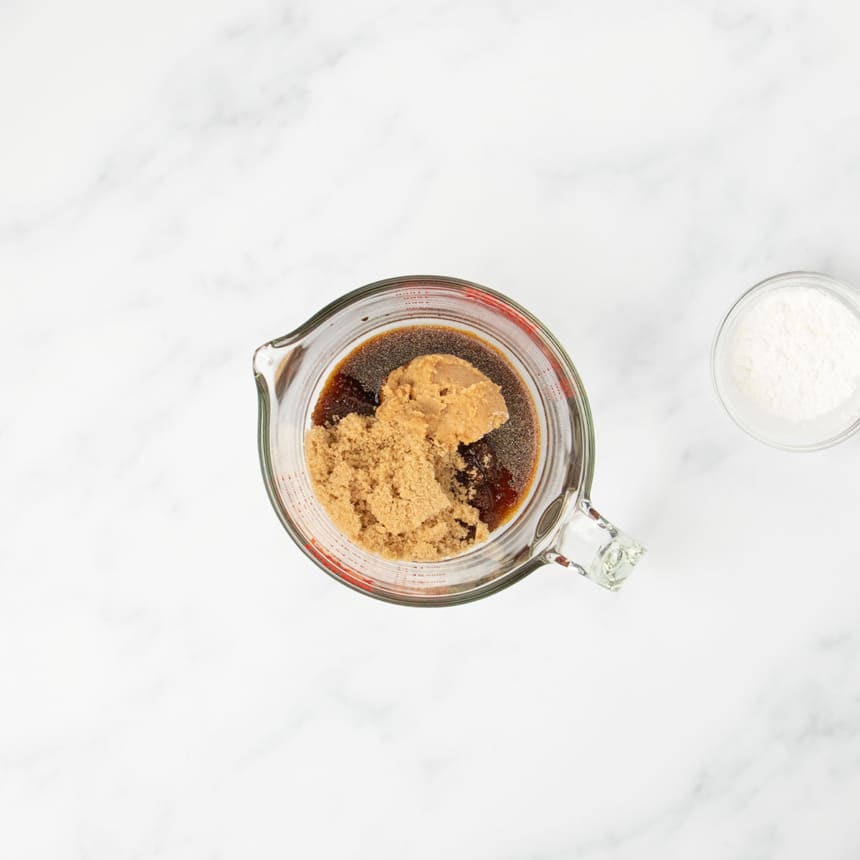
{"x": 812, "y": 435}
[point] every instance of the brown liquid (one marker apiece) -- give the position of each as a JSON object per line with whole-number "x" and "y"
{"x": 499, "y": 467}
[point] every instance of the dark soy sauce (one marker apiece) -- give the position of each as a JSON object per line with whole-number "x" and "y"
{"x": 499, "y": 468}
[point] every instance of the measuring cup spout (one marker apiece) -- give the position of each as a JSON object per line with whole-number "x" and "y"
{"x": 587, "y": 534}
{"x": 276, "y": 364}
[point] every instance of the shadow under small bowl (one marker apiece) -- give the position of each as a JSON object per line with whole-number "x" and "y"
{"x": 809, "y": 435}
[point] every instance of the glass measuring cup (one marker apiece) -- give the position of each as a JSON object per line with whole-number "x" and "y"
{"x": 555, "y": 523}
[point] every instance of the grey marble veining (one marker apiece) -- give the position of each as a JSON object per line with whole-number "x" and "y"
{"x": 180, "y": 182}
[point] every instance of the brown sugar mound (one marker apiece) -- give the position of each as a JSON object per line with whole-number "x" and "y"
{"x": 389, "y": 481}
{"x": 444, "y": 397}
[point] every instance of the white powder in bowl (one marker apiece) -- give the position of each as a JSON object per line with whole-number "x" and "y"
{"x": 796, "y": 353}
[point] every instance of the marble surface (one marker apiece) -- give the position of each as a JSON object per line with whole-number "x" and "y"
{"x": 181, "y": 181}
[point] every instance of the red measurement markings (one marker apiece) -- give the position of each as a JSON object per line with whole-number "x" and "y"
{"x": 553, "y": 383}
{"x": 293, "y": 493}
{"x": 337, "y": 567}
{"x": 414, "y": 298}
{"x": 562, "y": 383}
{"x": 502, "y": 307}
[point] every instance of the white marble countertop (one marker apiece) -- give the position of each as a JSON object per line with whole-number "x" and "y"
{"x": 181, "y": 181}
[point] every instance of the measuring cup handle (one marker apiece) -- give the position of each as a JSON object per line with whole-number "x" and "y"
{"x": 588, "y": 534}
